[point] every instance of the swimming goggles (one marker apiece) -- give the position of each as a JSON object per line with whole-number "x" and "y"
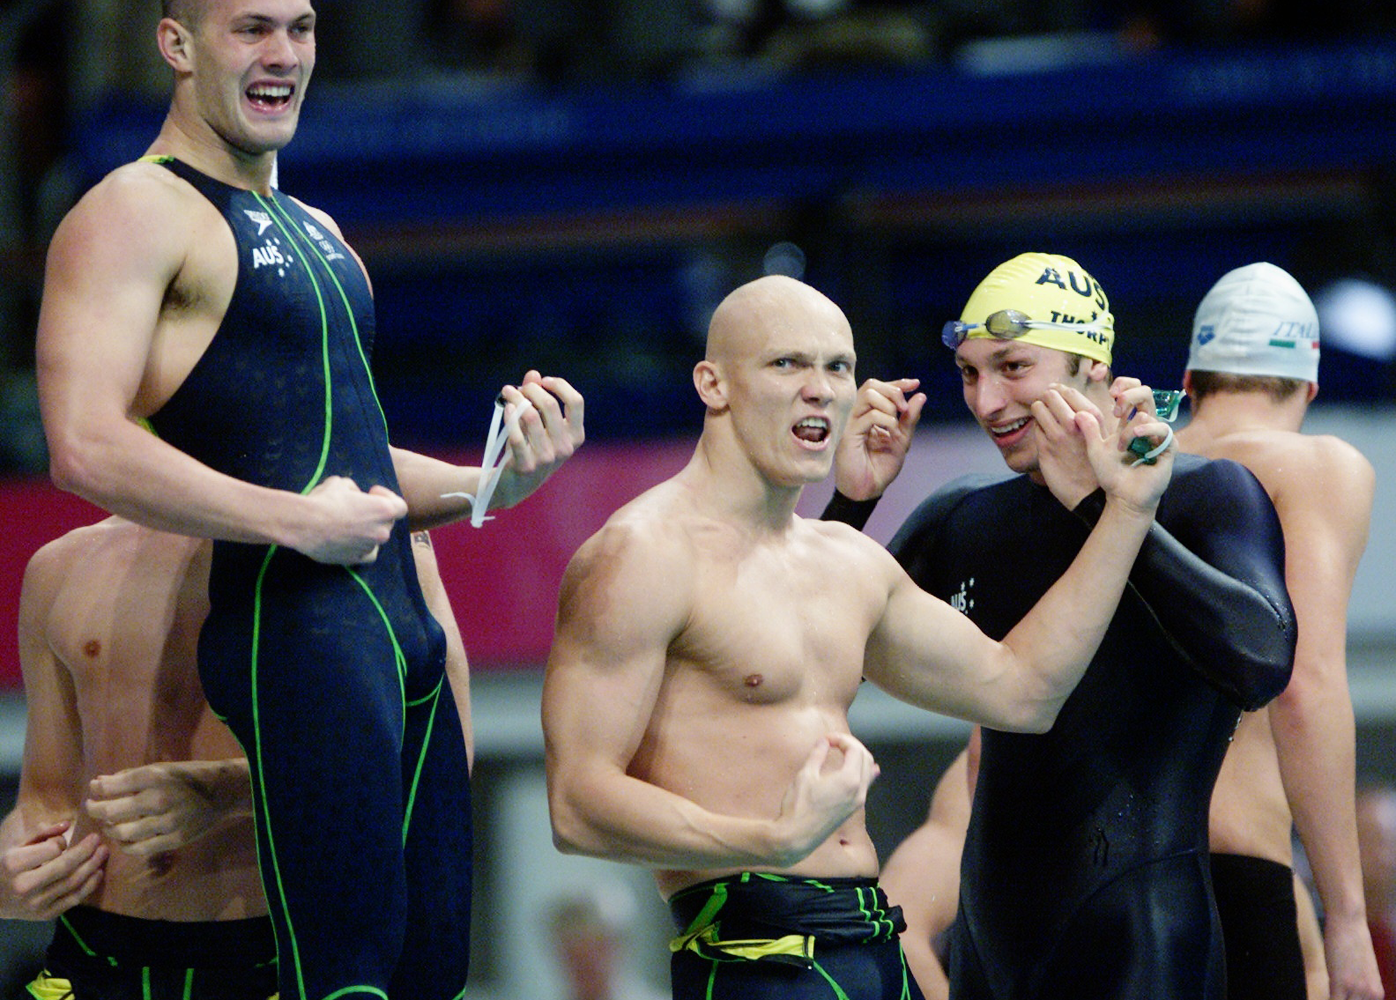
{"x": 1007, "y": 324}
{"x": 1166, "y": 406}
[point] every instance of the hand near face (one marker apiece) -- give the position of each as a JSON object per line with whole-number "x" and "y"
{"x": 875, "y": 444}
{"x": 1117, "y": 470}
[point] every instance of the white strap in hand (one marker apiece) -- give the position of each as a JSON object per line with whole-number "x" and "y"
{"x": 492, "y": 464}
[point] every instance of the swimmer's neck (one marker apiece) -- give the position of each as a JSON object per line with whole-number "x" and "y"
{"x": 205, "y": 151}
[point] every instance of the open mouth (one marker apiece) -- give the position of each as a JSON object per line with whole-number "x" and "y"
{"x": 813, "y": 430}
{"x": 270, "y": 97}
{"x": 1005, "y": 431}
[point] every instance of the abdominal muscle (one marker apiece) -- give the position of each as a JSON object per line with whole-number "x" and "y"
{"x": 739, "y": 759}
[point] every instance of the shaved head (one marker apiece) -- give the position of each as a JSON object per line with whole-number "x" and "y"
{"x": 186, "y": 12}
{"x": 765, "y": 305}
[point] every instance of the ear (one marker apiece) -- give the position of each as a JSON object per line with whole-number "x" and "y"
{"x": 1099, "y": 371}
{"x": 1313, "y": 391}
{"x": 1187, "y": 381}
{"x": 711, "y": 386}
{"x": 172, "y": 38}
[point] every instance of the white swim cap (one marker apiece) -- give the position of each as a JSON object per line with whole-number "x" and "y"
{"x": 1256, "y": 320}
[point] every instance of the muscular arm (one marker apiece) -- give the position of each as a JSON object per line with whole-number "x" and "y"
{"x": 1215, "y": 581}
{"x": 626, "y": 596}
{"x": 1325, "y": 507}
{"x": 925, "y": 652}
{"x": 110, "y": 266}
{"x": 42, "y": 874}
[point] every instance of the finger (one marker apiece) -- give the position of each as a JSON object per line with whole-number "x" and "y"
{"x": 563, "y": 390}
{"x": 818, "y": 755}
{"x": 49, "y": 833}
{"x": 1045, "y": 419}
{"x": 1137, "y": 399}
{"x": 1079, "y": 401}
{"x": 1123, "y": 383}
{"x": 911, "y": 416}
{"x": 122, "y": 783}
{"x": 572, "y": 405}
{"x": 397, "y": 507}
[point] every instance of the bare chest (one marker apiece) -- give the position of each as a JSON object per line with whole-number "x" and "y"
{"x": 778, "y": 630}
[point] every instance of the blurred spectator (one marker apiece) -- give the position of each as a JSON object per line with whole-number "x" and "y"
{"x": 589, "y": 930}
{"x": 1376, "y": 839}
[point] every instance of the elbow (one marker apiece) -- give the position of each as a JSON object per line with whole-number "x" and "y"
{"x": 71, "y": 466}
{"x": 571, "y": 832}
{"x": 1033, "y": 717}
{"x": 1265, "y": 680}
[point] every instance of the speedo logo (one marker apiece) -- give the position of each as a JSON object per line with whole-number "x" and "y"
{"x": 262, "y": 219}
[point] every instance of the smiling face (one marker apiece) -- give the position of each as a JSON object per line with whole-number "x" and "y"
{"x": 1001, "y": 380}
{"x": 783, "y": 358}
{"x": 245, "y": 65}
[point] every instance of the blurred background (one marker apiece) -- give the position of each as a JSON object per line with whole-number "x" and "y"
{"x": 573, "y": 185}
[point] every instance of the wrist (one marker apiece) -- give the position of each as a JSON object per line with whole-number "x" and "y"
{"x": 842, "y": 507}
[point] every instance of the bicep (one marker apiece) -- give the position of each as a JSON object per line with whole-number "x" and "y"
{"x": 924, "y": 651}
{"x": 617, "y": 615}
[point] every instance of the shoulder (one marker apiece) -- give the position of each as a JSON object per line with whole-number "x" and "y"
{"x": 319, "y": 215}
{"x": 1293, "y": 465}
{"x": 931, "y": 513}
{"x": 53, "y": 565}
{"x": 138, "y": 213}
{"x": 137, "y": 193}
{"x": 645, "y": 544}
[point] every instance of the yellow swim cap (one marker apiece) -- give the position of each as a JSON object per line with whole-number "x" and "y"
{"x": 1065, "y": 307}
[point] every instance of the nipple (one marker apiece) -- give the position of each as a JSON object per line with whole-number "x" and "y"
{"x": 92, "y": 647}
{"x": 753, "y": 680}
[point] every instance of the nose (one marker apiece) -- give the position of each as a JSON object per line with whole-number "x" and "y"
{"x": 986, "y": 397}
{"x": 279, "y": 53}
{"x": 819, "y": 386}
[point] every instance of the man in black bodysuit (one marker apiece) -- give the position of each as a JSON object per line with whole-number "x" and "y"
{"x": 1085, "y": 868}
{"x": 185, "y": 294}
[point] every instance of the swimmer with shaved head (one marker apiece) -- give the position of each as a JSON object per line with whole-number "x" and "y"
{"x": 709, "y": 643}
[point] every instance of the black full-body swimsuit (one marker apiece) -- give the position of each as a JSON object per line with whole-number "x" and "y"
{"x": 331, "y": 677}
{"x": 1085, "y": 868}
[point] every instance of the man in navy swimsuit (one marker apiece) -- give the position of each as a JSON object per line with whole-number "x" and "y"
{"x": 185, "y": 294}
{"x": 1085, "y": 867}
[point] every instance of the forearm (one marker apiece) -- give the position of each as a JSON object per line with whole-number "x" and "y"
{"x": 130, "y": 472}
{"x": 1314, "y": 742}
{"x": 1237, "y": 628}
{"x": 431, "y": 488}
{"x": 629, "y": 820}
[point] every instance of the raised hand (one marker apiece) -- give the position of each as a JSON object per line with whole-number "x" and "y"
{"x": 879, "y": 432}
{"x": 547, "y": 434}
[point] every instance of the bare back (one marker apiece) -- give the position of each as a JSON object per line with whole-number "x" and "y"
{"x": 121, "y": 623}
{"x": 1251, "y": 812}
